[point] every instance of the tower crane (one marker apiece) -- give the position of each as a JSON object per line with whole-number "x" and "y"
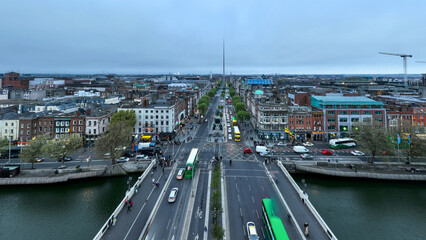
{"x": 404, "y": 58}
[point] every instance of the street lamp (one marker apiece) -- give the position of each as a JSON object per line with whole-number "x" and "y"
{"x": 128, "y": 183}
{"x": 88, "y": 161}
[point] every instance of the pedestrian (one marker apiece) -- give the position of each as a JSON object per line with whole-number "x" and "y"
{"x": 136, "y": 189}
{"x": 152, "y": 173}
{"x": 306, "y": 229}
{"x": 125, "y": 201}
{"x": 114, "y": 220}
{"x": 131, "y": 204}
{"x": 163, "y": 170}
{"x": 153, "y": 182}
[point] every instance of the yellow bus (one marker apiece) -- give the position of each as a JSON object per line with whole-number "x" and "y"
{"x": 237, "y": 135}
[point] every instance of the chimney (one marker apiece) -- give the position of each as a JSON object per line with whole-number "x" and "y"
{"x": 89, "y": 111}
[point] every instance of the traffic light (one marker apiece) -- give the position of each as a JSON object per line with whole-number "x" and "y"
{"x": 356, "y": 128}
{"x": 344, "y": 128}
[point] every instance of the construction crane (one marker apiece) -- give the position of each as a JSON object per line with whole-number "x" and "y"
{"x": 404, "y": 58}
{"x": 420, "y": 61}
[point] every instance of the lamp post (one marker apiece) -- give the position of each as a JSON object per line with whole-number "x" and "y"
{"x": 10, "y": 139}
{"x": 128, "y": 183}
{"x": 88, "y": 161}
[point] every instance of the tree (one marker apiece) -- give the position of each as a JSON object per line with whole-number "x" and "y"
{"x": 236, "y": 99}
{"x": 204, "y": 99}
{"x": 243, "y": 115}
{"x": 203, "y": 108}
{"x": 34, "y": 149}
{"x": 372, "y": 138}
{"x": 62, "y": 147}
{"x": 211, "y": 93}
{"x": 114, "y": 140}
{"x": 127, "y": 116}
{"x": 239, "y": 106}
{"x": 411, "y": 143}
{"x": 222, "y": 94}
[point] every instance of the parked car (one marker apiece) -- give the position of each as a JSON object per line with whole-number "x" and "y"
{"x": 247, "y": 150}
{"x": 173, "y": 195}
{"x": 326, "y": 152}
{"x": 205, "y": 120}
{"x": 300, "y": 149}
{"x": 230, "y": 136}
{"x": 251, "y": 231}
{"x": 141, "y": 157}
{"x": 123, "y": 159}
{"x": 180, "y": 173}
{"x": 229, "y": 130}
{"x": 281, "y": 144}
{"x": 39, "y": 159}
{"x": 66, "y": 159}
{"x": 128, "y": 154}
{"x": 306, "y": 156}
{"x": 357, "y": 153}
{"x": 308, "y": 144}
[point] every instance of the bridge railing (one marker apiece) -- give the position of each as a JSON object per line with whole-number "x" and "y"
{"x": 308, "y": 203}
{"x": 120, "y": 206}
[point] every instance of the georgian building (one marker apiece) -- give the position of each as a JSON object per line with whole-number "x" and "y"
{"x": 300, "y": 122}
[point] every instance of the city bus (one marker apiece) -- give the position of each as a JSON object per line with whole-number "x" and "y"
{"x": 14, "y": 152}
{"x": 191, "y": 164}
{"x": 273, "y": 224}
{"x": 342, "y": 143}
{"x": 237, "y": 135}
{"x": 234, "y": 121}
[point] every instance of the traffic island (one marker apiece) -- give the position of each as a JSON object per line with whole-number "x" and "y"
{"x": 216, "y": 203}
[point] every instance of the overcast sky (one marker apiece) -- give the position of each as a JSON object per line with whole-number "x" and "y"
{"x": 170, "y": 36}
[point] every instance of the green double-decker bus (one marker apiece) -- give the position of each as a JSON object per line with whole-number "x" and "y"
{"x": 273, "y": 224}
{"x": 191, "y": 164}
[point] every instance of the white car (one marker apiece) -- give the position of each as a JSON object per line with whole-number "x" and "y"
{"x": 308, "y": 144}
{"x": 306, "y": 156}
{"x": 264, "y": 154}
{"x": 281, "y": 144}
{"x": 123, "y": 159}
{"x": 230, "y": 136}
{"x": 173, "y": 195}
{"x": 300, "y": 149}
{"x": 251, "y": 231}
{"x": 357, "y": 153}
{"x": 229, "y": 130}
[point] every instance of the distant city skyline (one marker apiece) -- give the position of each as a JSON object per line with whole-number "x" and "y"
{"x": 283, "y": 37}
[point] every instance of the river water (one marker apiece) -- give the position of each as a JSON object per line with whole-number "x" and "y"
{"x": 368, "y": 209}
{"x": 74, "y": 210}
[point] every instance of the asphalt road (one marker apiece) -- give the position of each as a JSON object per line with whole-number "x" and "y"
{"x": 169, "y": 219}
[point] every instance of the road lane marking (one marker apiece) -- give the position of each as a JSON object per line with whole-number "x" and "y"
{"x": 241, "y": 213}
{"x": 252, "y": 198}
{"x": 257, "y": 213}
{"x": 249, "y": 187}
{"x": 244, "y": 230}
{"x": 168, "y": 224}
{"x": 135, "y": 220}
{"x": 238, "y": 196}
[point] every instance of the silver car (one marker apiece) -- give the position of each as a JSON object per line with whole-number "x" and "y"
{"x": 173, "y": 195}
{"x": 230, "y": 136}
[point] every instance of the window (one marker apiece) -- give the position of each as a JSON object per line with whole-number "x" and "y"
{"x": 378, "y": 112}
{"x": 80, "y": 122}
{"x": 67, "y": 123}
{"x": 73, "y": 129}
{"x": 5, "y": 124}
{"x": 79, "y": 129}
{"x": 167, "y": 111}
{"x": 378, "y": 119}
{"x": 22, "y": 125}
{"x": 167, "y": 122}
{"x": 355, "y": 119}
{"x": 28, "y": 132}
{"x": 331, "y": 120}
{"x": 11, "y": 124}
{"x": 22, "y": 132}
{"x": 94, "y": 131}
{"x": 90, "y": 131}
{"x": 343, "y": 112}
{"x": 354, "y": 112}
{"x": 146, "y": 116}
{"x": 343, "y": 120}
{"x": 366, "y": 113}
{"x": 94, "y": 123}
{"x": 330, "y": 112}
{"x": 90, "y": 123}
{"x": 74, "y": 122}
{"x": 167, "y": 116}
{"x": 40, "y": 129}
{"x": 162, "y": 122}
{"x": 331, "y": 127}
{"x": 28, "y": 125}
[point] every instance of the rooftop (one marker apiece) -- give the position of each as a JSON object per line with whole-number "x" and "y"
{"x": 259, "y": 81}
{"x": 345, "y": 100}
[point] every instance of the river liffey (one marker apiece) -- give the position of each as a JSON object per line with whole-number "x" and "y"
{"x": 368, "y": 209}
{"x": 74, "y": 210}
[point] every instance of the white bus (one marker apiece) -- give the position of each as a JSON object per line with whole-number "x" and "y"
{"x": 342, "y": 143}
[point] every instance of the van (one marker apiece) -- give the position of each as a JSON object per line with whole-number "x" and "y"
{"x": 141, "y": 157}
{"x": 300, "y": 149}
{"x": 262, "y": 149}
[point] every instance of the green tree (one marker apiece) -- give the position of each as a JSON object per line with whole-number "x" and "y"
{"x": 414, "y": 147}
{"x": 203, "y": 108}
{"x": 236, "y": 99}
{"x": 114, "y": 140}
{"x": 211, "y": 94}
{"x": 205, "y": 99}
{"x": 243, "y": 115}
{"x": 127, "y": 116}
{"x": 62, "y": 147}
{"x": 217, "y": 231}
{"x": 239, "y": 106}
{"x": 34, "y": 149}
{"x": 222, "y": 94}
{"x": 372, "y": 138}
